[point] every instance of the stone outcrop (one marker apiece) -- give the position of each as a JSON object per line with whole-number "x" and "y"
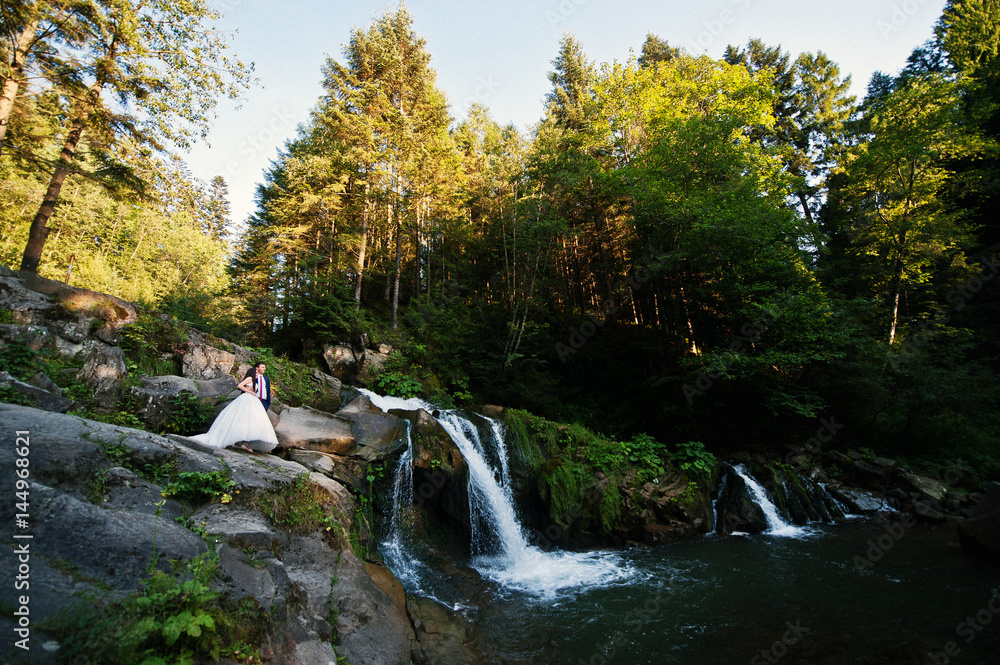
{"x": 36, "y": 396}
{"x": 351, "y": 363}
{"x": 378, "y": 434}
{"x": 94, "y": 523}
{"x": 440, "y": 477}
{"x": 344, "y": 362}
{"x": 36, "y": 300}
{"x": 736, "y": 511}
{"x": 155, "y": 394}
{"x": 202, "y": 361}
{"x": 310, "y": 429}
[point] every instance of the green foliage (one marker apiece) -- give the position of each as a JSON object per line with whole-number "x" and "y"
{"x": 149, "y": 339}
{"x": 695, "y": 461}
{"x": 174, "y": 619}
{"x": 200, "y": 486}
{"x": 189, "y": 414}
{"x": 11, "y": 395}
{"x": 301, "y": 507}
{"x": 395, "y": 382}
{"x": 18, "y": 359}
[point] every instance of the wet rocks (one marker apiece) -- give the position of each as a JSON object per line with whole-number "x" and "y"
{"x": 980, "y": 534}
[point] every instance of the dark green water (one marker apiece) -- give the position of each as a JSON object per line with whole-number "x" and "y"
{"x": 764, "y": 599}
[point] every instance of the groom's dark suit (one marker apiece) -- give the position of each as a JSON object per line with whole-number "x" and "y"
{"x": 266, "y": 399}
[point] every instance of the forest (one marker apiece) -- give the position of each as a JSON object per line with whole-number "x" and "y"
{"x": 730, "y": 251}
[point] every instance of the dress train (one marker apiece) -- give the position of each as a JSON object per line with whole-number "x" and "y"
{"x": 244, "y": 420}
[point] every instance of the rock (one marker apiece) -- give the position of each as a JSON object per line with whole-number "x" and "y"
{"x": 859, "y": 501}
{"x": 343, "y": 501}
{"x": 378, "y": 434}
{"x": 125, "y": 490}
{"x": 309, "y": 429}
{"x": 371, "y": 628}
{"x": 314, "y": 593}
{"x": 328, "y": 389}
{"x": 736, "y": 510}
{"x": 37, "y": 397}
{"x": 103, "y": 371}
{"x": 40, "y": 380}
{"x": 156, "y": 394}
{"x": 374, "y": 363}
{"x": 62, "y": 452}
{"x": 243, "y": 529}
{"x": 928, "y": 510}
{"x": 343, "y": 361}
{"x": 207, "y": 362}
{"x": 71, "y": 311}
{"x": 928, "y": 487}
{"x": 888, "y": 466}
{"x": 324, "y": 463}
{"x": 492, "y": 411}
{"x": 980, "y": 533}
{"x": 32, "y": 336}
{"x": 388, "y": 583}
{"x": 114, "y": 546}
{"x": 440, "y": 636}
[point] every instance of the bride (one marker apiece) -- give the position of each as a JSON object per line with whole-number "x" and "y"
{"x": 243, "y": 421}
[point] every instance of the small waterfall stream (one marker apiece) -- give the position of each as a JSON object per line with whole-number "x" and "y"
{"x": 777, "y": 526}
{"x": 501, "y": 550}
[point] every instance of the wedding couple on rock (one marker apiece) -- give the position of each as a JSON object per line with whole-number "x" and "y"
{"x": 244, "y": 424}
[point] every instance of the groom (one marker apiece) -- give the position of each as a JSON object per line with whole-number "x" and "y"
{"x": 263, "y": 384}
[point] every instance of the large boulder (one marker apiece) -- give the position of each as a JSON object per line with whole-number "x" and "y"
{"x": 35, "y": 396}
{"x": 858, "y": 501}
{"x": 440, "y": 635}
{"x": 202, "y": 361}
{"x": 327, "y": 391}
{"x": 929, "y": 488}
{"x": 736, "y": 510}
{"x": 980, "y": 534}
{"x": 378, "y": 434}
{"x": 103, "y": 369}
{"x": 344, "y": 362}
{"x": 155, "y": 394}
{"x": 372, "y": 628}
{"x": 309, "y": 429}
{"x": 73, "y": 312}
{"x": 98, "y": 546}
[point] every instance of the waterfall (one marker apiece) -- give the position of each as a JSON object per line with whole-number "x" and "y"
{"x": 501, "y": 550}
{"x": 777, "y": 526}
{"x": 490, "y": 501}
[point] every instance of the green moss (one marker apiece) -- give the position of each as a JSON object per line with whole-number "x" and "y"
{"x": 526, "y": 449}
{"x": 564, "y": 482}
{"x": 301, "y": 507}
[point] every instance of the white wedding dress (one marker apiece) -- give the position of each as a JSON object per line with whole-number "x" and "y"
{"x": 244, "y": 420}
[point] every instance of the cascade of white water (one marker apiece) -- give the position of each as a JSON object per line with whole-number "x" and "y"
{"x": 394, "y": 547}
{"x": 515, "y": 564}
{"x": 487, "y": 498}
{"x": 777, "y": 526}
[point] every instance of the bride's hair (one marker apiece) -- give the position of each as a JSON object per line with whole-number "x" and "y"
{"x": 252, "y": 374}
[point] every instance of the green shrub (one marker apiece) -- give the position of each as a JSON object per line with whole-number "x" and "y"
{"x": 189, "y": 414}
{"x": 174, "y": 619}
{"x": 695, "y": 461}
{"x": 200, "y": 486}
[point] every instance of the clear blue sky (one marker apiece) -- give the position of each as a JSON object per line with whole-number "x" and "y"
{"x": 499, "y": 53}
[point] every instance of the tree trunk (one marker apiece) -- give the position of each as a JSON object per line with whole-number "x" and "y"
{"x": 38, "y": 232}
{"x": 13, "y": 82}
{"x": 393, "y": 322}
{"x": 361, "y": 251}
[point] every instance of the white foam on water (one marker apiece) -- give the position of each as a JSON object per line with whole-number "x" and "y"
{"x": 777, "y": 526}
